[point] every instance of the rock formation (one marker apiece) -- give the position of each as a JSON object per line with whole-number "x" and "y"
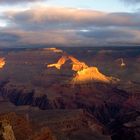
{"x": 126, "y": 126}
{"x": 45, "y": 134}
{"x": 54, "y": 50}
{"x": 77, "y": 65}
{"x": 15, "y": 127}
{"x": 122, "y": 63}
{"x": 2, "y": 62}
{"x": 84, "y": 73}
{"x": 60, "y": 62}
{"x": 6, "y": 131}
{"x": 90, "y": 74}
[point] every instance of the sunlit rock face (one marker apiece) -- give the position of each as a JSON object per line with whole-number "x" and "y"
{"x": 6, "y": 131}
{"x": 90, "y": 74}
{"x": 60, "y": 62}
{"x": 122, "y": 63}
{"x": 84, "y": 73}
{"x": 54, "y": 50}
{"x": 77, "y": 65}
{"x": 2, "y": 62}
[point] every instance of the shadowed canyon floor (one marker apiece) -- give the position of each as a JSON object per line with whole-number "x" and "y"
{"x": 69, "y": 93}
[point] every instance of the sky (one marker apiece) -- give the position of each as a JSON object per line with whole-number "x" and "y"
{"x": 29, "y": 23}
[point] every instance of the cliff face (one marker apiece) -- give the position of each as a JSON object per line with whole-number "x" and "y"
{"x": 21, "y": 95}
{"x": 17, "y": 127}
{"x": 126, "y": 126}
{"x": 2, "y": 62}
{"x": 60, "y": 62}
{"x": 90, "y": 74}
{"x": 44, "y": 134}
{"x": 52, "y": 125}
{"x": 76, "y": 64}
{"x": 84, "y": 73}
{"x": 101, "y": 100}
{"x": 6, "y": 131}
{"x": 69, "y": 123}
{"x": 55, "y": 50}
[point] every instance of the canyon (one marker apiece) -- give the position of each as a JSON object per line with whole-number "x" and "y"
{"x": 70, "y": 98}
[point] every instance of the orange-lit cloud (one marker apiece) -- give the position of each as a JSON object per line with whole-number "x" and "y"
{"x": 69, "y": 17}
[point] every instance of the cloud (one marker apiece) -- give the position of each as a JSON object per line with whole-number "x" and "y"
{"x": 7, "y": 37}
{"x": 71, "y": 27}
{"x": 108, "y": 34}
{"x": 18, "y": 38}
{"x": 65, "y": 38}
{"x": 111, "y": 36}
{"x": 131, "y": 1}
{"x": 17, "y": 1}
{"x": 52, "y": 17}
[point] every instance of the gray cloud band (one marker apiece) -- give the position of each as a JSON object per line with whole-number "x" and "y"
{"x": 131, "y": 1}
{"x": 65, "y": 26}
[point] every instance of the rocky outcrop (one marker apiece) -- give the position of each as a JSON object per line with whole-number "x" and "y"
{"x": 66, "y": 123}
{"x": 6, "y": 131}
{"x": 44, "y": 134}
{"x": 91, "y": 74}
{"x": 76, "y": 64}
{"x": 18, "y": 126}
{"x": 126, "y": 126}
{"x": 60, "y": 62}
{"x": 21, "y": 95}
{"x": 55, "y": 50}
{"x": 15, "y": 127}
{"x": 84, "y": 73}
{"x": 101, "y": 100}
{"x": 2, "y": 62}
